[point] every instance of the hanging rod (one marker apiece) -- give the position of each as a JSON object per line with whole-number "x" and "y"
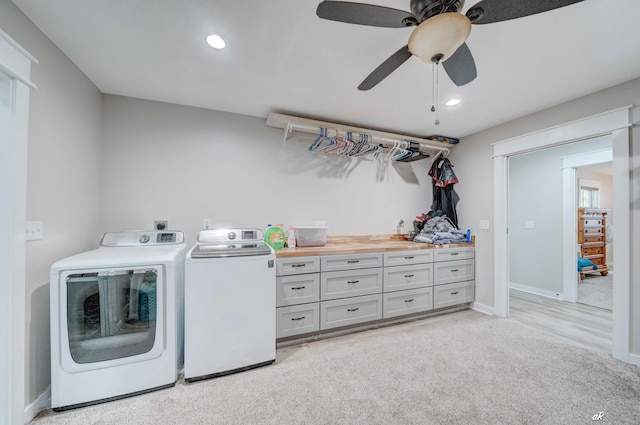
{"x": 305, "y": 125}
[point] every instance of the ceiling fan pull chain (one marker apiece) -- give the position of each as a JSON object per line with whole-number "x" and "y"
{"x": 437, "y": 97}
{"x": 433, "y": 87}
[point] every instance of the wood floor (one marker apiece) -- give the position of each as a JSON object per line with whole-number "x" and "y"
{"x": 586, "y": 325}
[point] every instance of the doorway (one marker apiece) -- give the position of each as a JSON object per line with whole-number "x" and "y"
{"x": 614, "y": 123}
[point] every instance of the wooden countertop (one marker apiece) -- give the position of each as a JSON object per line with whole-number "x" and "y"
{"x": 361, "y": 244}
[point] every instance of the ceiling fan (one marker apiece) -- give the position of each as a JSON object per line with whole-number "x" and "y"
{"x": 440, "y": 33}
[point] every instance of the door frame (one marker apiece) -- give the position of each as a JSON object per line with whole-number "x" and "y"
{"x": 616, "y": 123}
{"x": 15, "y": 62}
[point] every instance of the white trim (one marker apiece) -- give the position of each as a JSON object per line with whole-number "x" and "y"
{"x": 39, "y": 404}
{"x": 13, "y": 207}
{"x": 482, "y": 308}
{"x": 617, "y": 123}
{"x": 536, "y": 291}
{"x": 634, "y": 359}
{"x": 4, "y": 36}
{"x": 584, "y": 128}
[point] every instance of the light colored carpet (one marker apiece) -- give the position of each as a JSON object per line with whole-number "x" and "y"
{"x": 597, "y": 291}
{"x": 459, "y": 368}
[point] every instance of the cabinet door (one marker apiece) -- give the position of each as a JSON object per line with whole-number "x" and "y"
{"x": 400, "y": 303}
{"x": 453, "y": 294}
{"x": 350, "y": 283}
{"x": 350, "y": 311}
{"x": 449, "y": 254}
{"x": 453, "y": 271}
{"x": 350, "y": 261}
{"x": 405, "y": 258}
{"x": 298, "y": 319}
{"x": 297, "y": 289}
{"x": 407, "y": 277}
{"x": 297, "y": 265}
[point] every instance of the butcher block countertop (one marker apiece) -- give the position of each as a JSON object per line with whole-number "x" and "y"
{"x": 361, "y": 244}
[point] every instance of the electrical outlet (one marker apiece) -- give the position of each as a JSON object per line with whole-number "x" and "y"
{"x": 483, "y": 225}
{"x": 206, "y": 223}
{"x": 33, "y": 231}
{"x": 394, "y": 226}
{"x": 161, "y": 225}
{"x": 529, "y": 224}
{"x": 320, "y": 223}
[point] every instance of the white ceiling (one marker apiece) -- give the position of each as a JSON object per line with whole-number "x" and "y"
{"x": 281, "y": 57}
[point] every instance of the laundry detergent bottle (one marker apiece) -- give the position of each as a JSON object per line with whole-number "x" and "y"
{"x": 274, "y": 236}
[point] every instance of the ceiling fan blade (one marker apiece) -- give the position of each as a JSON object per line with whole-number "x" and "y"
{"x": 461, "y": 67}
{"x": 365, "y": 14}
{"x": 386, "y": 68}
{"x": 490, "y": 11}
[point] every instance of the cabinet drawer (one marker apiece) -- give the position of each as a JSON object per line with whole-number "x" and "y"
{"x": 296, "y": 320}
{"x": 448, "y": 254}
{"x": 405, "y": 258}
{"x": 297, "y": 265}
{"x": 350, "y": 311}
{"x": 592, "y": 251}
{"x": 350, "y": 261}
{"x": 297, "y": 289}
{"x": 406, "y": 302}
{"x": 407, "y": 277}
{"x": 453, "y": 293}
{"x": 350, "y": 283}
{"x": 453, "y": 271}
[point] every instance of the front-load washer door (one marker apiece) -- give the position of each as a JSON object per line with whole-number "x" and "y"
{"x": 111, "y": 317}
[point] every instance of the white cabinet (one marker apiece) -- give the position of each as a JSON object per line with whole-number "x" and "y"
{"x": 318, "y": 293}
{"x": 297, "y": 296}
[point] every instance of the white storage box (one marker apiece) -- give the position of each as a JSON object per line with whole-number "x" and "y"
{"x": 311, "y": 235}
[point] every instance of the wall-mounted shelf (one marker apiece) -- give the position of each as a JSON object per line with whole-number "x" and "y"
{"x": 292, "y": 123}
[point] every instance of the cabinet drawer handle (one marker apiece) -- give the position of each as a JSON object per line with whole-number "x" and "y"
{"x": 353, "y": 281}
{"x": 298, "y": 265}
{"x": 297, "y": 318}
{"x": 455, "y": 253}
{"x": 408, "y": 301}
{"x": 410, "y": 257}
{"x": 454, "y": 270}
{"x": 455, "y": 293}
{"x": 297, "y": 287}
{"x": 353, "y": 309}
{"x": 352, "y": 261}
{"x": 408, "y": 275}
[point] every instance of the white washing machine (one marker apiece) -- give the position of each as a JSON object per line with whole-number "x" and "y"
{"x": 117, "y": 318}
{"x": 230, "y": 304}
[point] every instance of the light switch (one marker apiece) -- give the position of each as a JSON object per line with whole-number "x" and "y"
{"x": 529, "y": 224}
{"x": 33, "y": 231}
{"x": 483, "y": 225}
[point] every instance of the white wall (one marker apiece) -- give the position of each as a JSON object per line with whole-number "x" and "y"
{"x": 473, "y": 155}
{"x": 535, "y": 194}
{"x": 63, "y": 179}
{"x": 185, "y": 164}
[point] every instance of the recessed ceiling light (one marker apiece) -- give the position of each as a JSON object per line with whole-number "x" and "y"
{"x": 453, "y": 102}
{"x": 216, "y": 41}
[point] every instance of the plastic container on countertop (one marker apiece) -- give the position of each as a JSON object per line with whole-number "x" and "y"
{"x": 274, "y": 236}
{"x": 291, "y": 240}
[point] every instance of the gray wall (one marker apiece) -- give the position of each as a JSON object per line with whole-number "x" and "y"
{"x": 185, "y": 164}
{"x": 63, "y": 180}
{"x": 474, "y": 165}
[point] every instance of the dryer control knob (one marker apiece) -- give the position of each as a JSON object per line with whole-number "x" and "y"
{"x": 231, "y": 235}
{"x": 144, "y": 238}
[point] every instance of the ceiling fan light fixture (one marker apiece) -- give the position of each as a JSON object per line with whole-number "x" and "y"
{"x": 437, "y": 38}
{"x": 216, "y": 41}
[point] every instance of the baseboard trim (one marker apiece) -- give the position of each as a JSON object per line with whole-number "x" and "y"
{"x": 483, "y": 308}
{"x": 536, "y": 291}
{"x": 39, "y": 404}
{"x": 634, "y": 359}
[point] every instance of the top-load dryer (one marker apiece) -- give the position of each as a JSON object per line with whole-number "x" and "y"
{"x": 117, "y": 318}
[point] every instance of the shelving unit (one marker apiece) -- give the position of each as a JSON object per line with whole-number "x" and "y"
{"x": 292, "y": 123}
{"x": 592, "y": 237}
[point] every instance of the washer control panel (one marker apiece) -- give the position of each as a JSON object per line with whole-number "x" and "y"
{"x": 142, "y": 238}
{"x": 230, "y": 235}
